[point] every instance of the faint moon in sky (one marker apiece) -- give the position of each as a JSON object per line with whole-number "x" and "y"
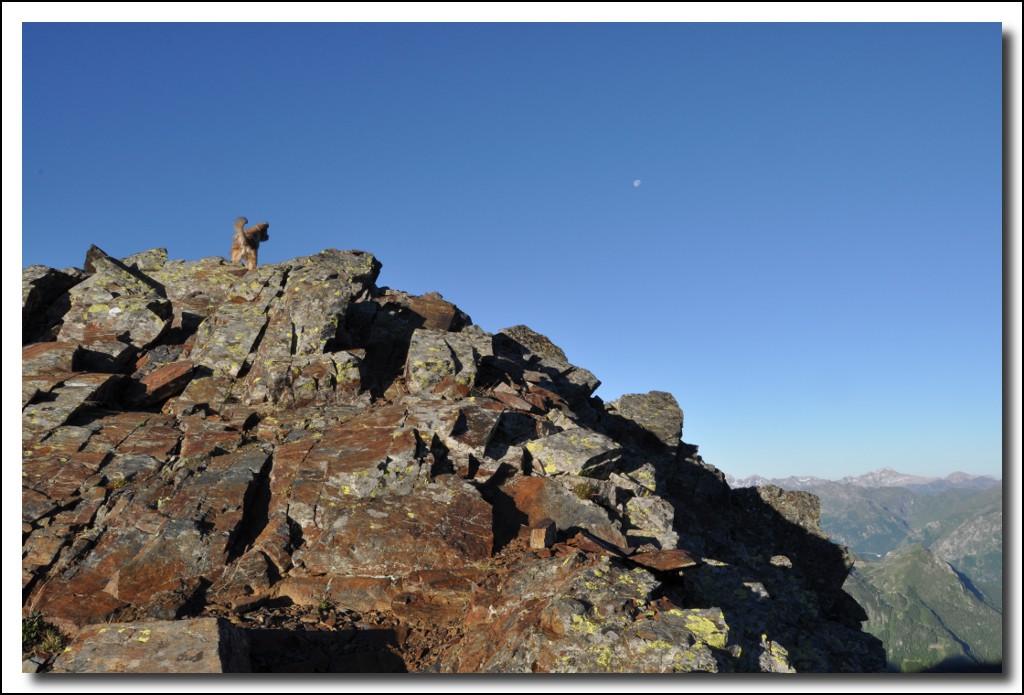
{"x": 636, "y": 183}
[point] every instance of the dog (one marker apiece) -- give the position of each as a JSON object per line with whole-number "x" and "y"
{"x": 246, "y": 243}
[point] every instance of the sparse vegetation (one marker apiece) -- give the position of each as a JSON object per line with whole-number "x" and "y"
{"x": 584, "y": 490}
{"x": 326, "y": 604}
{"x": 118, "y": 483}
{"x": 40, "y": 637}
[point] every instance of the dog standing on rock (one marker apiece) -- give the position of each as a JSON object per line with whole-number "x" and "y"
{"x": 246, "y": 243}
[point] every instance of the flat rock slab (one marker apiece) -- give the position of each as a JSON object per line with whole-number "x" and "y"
{"x": 665, "y": 560}
{"x": 225, "y": 339}
{"x": 203, "y": 645}
{"x": 72, "y": 393}
{"x": 438, "y": 314}
{"x": 43, "y": 358}
{"x": 163, "y": 382}
{"x": 445, "y": 526}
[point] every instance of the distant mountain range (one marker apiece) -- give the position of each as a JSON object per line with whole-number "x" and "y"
{"x": 929, "y": 561}
{"x": 883, "y": 477}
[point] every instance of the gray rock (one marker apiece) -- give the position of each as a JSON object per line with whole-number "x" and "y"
{"x": 333, "y": 377}
{"x": 196, "y": 288}
{"x": 773, "y": 657}
{"x": 117, "y": 303}
{"x": 201, "y": 645}
{"x": 32, "y": 664}
{"x": 146, "y": 261}
{"x": 295, "y": 362}
{"x": 47, "y": 358}
{"x": 535, "y": 342}
{"x": 576, "y": 452}
{"x": 444, "y": 363}
{"x": 656, "y": 414}
{"x": 105, "y": 354}
{"x": 226, "y": 338}
{"x": 72, "y": 393}
{"x": 642, "y": 480}
{"x": 651, "y": 519}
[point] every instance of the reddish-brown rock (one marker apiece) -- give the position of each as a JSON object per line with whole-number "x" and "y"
{"x": 42, "y": 358}
{"x": 204, "y": 645}
{"x": 164, "y": 382}
{"x": 664, "y": 560}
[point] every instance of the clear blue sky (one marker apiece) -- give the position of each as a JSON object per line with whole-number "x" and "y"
{"x": 811, "y": 263}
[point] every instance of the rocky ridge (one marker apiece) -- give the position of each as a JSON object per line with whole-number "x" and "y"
{"x": 294, "y": 469}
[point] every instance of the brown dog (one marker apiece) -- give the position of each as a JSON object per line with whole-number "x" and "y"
{"x": 246, "y": 243}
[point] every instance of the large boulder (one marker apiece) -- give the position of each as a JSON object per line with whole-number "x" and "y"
{"x": 645, "y": 418}
{"x": 444, "y": 363}
{"x": 116, "y": 303}
{"x": 576, "y": 451}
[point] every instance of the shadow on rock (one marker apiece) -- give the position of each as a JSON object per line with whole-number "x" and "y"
{"x": 321, "y": 651}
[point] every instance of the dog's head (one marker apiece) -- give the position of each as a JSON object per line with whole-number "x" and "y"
{"x": 264, "y": 235}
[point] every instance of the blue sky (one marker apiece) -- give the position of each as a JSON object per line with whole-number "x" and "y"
{"x": 812, "y": 262}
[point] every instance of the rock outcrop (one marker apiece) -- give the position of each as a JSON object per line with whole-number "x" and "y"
{"x": 294, "y": 469}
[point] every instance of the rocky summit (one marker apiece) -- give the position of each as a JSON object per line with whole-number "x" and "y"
{"x": 295, "y": 469}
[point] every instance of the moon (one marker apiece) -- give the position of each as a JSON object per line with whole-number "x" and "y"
{"x": 636, "y": 183}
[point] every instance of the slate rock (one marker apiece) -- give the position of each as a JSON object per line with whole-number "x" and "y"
{"x": 444, "y": 363}
{"x": 651, "y": 520}
{"x": 163, "y": 382}
{"x": 576, "y": 615}
{"x": 656, "y": 415}
{"x": 664, "y": 560}
{"x": 43, "y": 358}
{"x": 543, "y": 498}
{"x": 225, "y": 339}
{"x": 147, "y": 261}
{"x": 201, "y": 645}
{"x": 118, "y": 303}
{"x": 576, "y": 452}
{"x": 41, "y": 288}
{"x": 434, "y": 311}
{"x": 528, "y": 356}
{"x": 535, "y": 342}
{"x": 68, "y": 393}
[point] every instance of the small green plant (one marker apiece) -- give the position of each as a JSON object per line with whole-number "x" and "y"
{"x": 53, "y": 642}
{"x": 326, "y": 604}
{"x": 584, "y": 490}
{"x": 118, "y": 483}
{"x": 40, "y": 637}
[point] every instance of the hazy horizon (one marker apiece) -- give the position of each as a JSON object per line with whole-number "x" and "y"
{"x": 998, "y": 477}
